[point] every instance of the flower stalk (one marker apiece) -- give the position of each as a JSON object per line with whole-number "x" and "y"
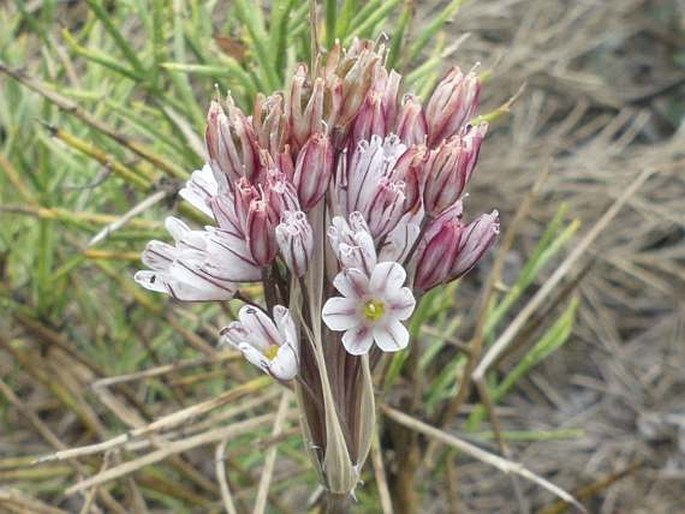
{"x": 345, "y": 201}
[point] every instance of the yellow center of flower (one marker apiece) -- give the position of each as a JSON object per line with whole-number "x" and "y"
{"x": 373, "y": 310}
{"x": 270, "y": 352}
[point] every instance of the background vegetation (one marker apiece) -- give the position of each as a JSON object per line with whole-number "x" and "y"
{"x": 101, "y": 114}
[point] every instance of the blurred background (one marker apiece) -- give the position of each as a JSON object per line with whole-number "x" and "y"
{"x": 102, "y": 108}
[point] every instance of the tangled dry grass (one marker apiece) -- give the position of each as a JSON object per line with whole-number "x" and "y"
{"x": 603, "y": 103}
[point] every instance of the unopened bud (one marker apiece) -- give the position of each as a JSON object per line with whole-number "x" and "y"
{"x": 296, "y": 241}
{"x": 479, "y": 236}
{"x": 449, "y": 169}
{"x": 261, "y": 239}
{"x": 313, "y": 170}
{"x": 452, "y": 105}
{"x": 411, "y": 123}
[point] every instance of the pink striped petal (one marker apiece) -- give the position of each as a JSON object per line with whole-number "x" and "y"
{"x": 391, "y": 337}
{"x": 340, "y": 313}
{"x": 358, "y": 341}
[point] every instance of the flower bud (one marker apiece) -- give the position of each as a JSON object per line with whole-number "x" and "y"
{"x": 479, "y": 236}
{"x": 231, "y": 143}
{"x": 270, "y": 123}
{"x": 261, "y": 239}
{"x": 410, "y": 170}
{"x": 296, "y": 241}
{"x": 305, "y": 113}
{"x": 449, "y": 169}
{"x": 369, "y": 122}
{"x": 411, "y": 123}
{"x": 435, "y": 254}
{"x": 451, "y": 105}
{"x": 313, "y": 170}
{"x": 386, "y": 207}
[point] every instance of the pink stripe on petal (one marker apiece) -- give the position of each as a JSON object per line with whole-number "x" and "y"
{"x": 385, "y": 277}
{"x": 391, "y": 337}
{"x": 358, "y": 341}
{"x": 340, "y": 313}
{"x": 401, "y": 303}
{"x": 351, "y": 283}
{"x": 259, "y": 326}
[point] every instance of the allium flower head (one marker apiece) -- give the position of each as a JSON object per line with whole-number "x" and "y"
{"x": 344, "y": 199}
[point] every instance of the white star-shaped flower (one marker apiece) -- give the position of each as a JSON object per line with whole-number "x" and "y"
{"x": 371, "y": 308}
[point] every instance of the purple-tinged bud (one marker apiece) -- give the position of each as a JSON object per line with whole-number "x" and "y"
{"x": 357, "y": 82}
{"x": 280, "y": 196}
{"x": 390, "y": 91}
{"x": 230, "y": 209}
{"x": 386, "y": 207}
{"x": 410, "y": 170}
{"x": 411, "y": 122}
{"x": 438, "y": 247}
{"x": 231, "y": 142}
{"x": 370, "y": 120}
{"x": 305, "y": 113}
{"x": 452, "y": 105}
{"x": 478, "y": 237}
{"x": 313, "y": 170}
{"x": 270, "y": 122}
{"x": 449, "y": 168}
{"x": 296, "y": 241}
{"x": 261, "y": 240}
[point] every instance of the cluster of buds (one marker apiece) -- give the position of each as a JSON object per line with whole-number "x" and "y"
{"x": 345, "y": 202}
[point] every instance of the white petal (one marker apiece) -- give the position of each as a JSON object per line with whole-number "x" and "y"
{"x": 150, "y": 281}
{"x": 255, "y": 357}
{"x": 391, "y": 337}
{"x": 190, "y": 272}
{"x": 399, "y": 241}
{"x": 286, "y": 327}
{"x": 358, "y": 340}
{"x": 285, "y": 365}
{"x": 260, "y": 328}
{"x": 234, "y": 335}
{"x": 176, "y": 228}
{"x": 351, "y": 283}
{"x": 387, "y": 277}
{"x": 340, "y": 313}
{"x": 158, "y": 255}
{"x": 201, "y": 187}
{"x": 401, "y": 303}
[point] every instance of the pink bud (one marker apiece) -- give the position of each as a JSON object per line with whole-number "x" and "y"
{"x": 386, "y": 207}
{"x": 449, "y": 168}
{"x": 296, "y": 241}
{"x": 452, "y": 104}
{"x": 261, "y": 239}
{"x": 436, "y": 252}
{"x": 270, "y": 123}
{"x": 369, "y": 122}
{"x": 411, "y": 123}
{"x": 479, "y": 236}
{"x": 305, "y": 111}
{"x": 313, "y": 170}
{"x": 231, "y": 142}
{"x": 280, "y": 196}
{"x": 410, "y": 170}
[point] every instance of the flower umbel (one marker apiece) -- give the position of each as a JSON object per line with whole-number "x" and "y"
{"x": 345, "y": 201}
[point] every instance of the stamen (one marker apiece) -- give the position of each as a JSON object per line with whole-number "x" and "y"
{"x": 373, "y": 310}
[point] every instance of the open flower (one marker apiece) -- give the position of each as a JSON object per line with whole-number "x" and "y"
{"x": 371, "y": 309}
{"x": 271, "y": 345}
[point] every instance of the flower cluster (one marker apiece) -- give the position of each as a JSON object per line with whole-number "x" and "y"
{"x": 344, "y": 199}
